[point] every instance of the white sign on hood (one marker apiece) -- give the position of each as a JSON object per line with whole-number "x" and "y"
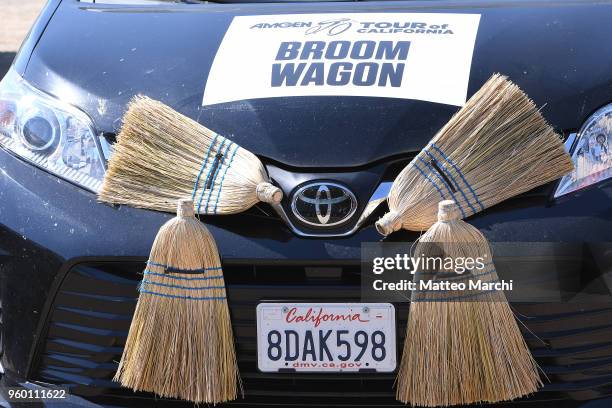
{"x": 421, "y": 56}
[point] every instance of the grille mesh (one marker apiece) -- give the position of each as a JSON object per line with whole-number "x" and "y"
{"x": 91, "y": 314}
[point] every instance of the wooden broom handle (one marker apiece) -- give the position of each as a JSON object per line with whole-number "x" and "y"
{"x": 269, "y": 193}
{"x": 448, "y": 211}
{"x": 389, "y": 223}
{"x": 184, "y": 208}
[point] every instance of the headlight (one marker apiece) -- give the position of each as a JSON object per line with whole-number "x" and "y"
{"x": 591, "y": 153}
{"x": 49, "y": 133}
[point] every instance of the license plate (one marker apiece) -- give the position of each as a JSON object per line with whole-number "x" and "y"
{"x": 311, "y": 337}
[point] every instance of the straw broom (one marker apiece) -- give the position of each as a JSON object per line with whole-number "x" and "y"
{"x": 495, "y": 147}
{"x": 462, "y": 347}
{"x": 162, "y": 156}
{"x": 180, "y": 343}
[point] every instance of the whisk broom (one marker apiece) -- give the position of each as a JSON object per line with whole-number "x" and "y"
{"x": 180, "y": 343}
{"x": 162, "y": 156}
{"x": 496, "y": 146}
{"x": 462, "y": 346}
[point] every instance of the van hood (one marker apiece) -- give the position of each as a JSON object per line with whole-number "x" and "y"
{"x": 97, "y": 57}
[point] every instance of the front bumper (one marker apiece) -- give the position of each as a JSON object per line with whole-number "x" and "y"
{"x": 70, "y": 266}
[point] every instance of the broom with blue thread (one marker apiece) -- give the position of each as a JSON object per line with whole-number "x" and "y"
{"x": 462, "y": 346}
{"x": 162, "y": 156}
{"x": 496, "y": 146}
{"x": 180, "y": 343}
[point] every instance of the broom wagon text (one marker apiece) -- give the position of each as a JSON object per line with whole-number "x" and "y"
{"x": 317, "y": 63}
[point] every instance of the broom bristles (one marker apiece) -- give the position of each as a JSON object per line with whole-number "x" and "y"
{"x": 180, "y": 343}
{"x": 495, "y": 147}
{"x": 162, "y": 156}
{"x": 481, "y": 363}
{"x": 468, "y": 350}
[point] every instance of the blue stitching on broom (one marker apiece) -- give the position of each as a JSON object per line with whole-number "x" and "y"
{"x": 458, "y": 172}
{"x": 183, "y": 297}
{"x": 217, "y": 172}
{"x": 167, "y": 285}
{"x": 430, "y": 167}
{"x": 452, "y": 298}
{"x": 450, "y": 176}
{"x": 170, "y": 268}
{"x": 430, "y": 180}
{"x": 195, "y": 187}
{"x": 165, "y": 275}
{"x": 485, "y": 264}
{"x": 223, "y": 177}
{"x": 208, "y": 177}
{"x": 455, "y": 276}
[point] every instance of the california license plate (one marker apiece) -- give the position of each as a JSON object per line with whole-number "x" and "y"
{"x": 327, "y": 337}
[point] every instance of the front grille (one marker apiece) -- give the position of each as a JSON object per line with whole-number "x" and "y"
{"x": 91, "y": 313}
